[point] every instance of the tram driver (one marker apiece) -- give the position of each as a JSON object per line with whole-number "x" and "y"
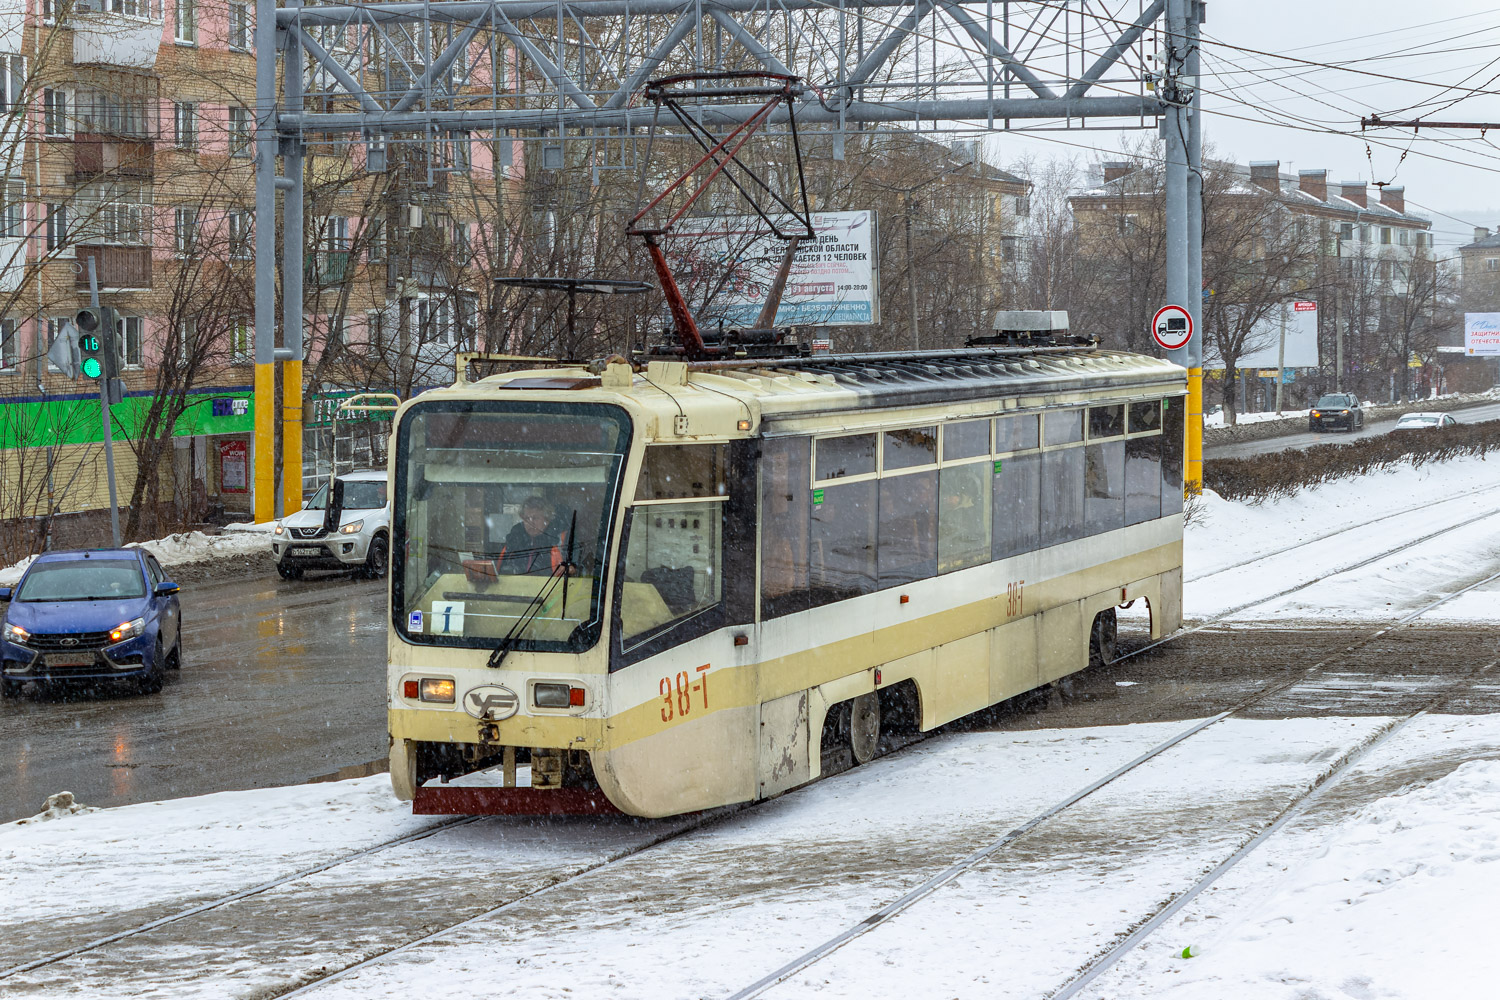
{"x": 536, "y": 546}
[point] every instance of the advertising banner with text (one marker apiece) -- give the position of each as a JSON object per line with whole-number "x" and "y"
{"x": 834, "y": 279}
{"x": 1482, "y": 335}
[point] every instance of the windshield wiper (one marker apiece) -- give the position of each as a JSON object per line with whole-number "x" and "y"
{"x": 538, "y": 603}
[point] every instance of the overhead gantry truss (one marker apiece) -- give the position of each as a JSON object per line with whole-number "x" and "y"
{"x": 531, "y": 66}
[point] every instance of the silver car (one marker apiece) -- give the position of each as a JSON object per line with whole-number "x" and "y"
{"x": 345, "y": 528}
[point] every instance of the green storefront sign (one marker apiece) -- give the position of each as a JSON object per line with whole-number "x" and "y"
{"x": 33, "y": 421}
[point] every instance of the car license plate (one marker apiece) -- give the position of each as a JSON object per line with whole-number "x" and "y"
{"x": 306, "y": 550}
{"x": 69, "y": 659}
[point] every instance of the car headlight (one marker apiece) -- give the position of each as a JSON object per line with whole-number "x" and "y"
{"x": 129, "y": 630}
{"x": 1343, "y": 413}
{"x": 16, "y": 633}
{"x": 352, "y": 527}
{"x": 279, "y": 529}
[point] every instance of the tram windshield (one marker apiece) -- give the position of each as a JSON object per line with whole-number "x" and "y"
{"x": 502, "y": 522}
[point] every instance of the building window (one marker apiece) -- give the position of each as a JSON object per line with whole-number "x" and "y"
{"x": 335, "y": 233}
{"x": 1364, "y": 234}
{"x": 1346, "y": 231}
{"x": 132, "y": 329}
{"x": 1385, "y": 236}
{"x": 12, "y": 82}
{"x": 185, "y": 231}
{"x": 135, "y": 8}
{"x": 13, "y": 210}
{"x": 241, "y": 341}
{"x": 461, "y": 243}
{"x": 376, "y": 333}
{"x": 56, "y": 11}
{"x": 241, "y": 233}
{"x": 187, "y": 22}
{"x": 1492, "y": 263}
{"x": 185, "y": 120}
{"x": 187, "y": 339}
{"x": 55, "y": 111}
{"x": 239, "y": 132}
{"x": 239, "y": 26}
{"x": 10, "y": 354}
{"x": 1403, "y": 237}
{"x": 57, "y": 226}
{"x": 375, "y": 231}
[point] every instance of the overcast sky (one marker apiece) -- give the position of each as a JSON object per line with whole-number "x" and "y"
{"x": 1444, "y": 172}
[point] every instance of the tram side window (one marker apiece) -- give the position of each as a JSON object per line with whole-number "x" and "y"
{"x": 843, "y": 457}
{"x": 908, "y": 527}
{"x": 1145, "y": 416}
{"x": 1143, "y": 478}
{"x": 1062, "y": 494}
{"x": 969, "y": 439}
{"x": 1106, "y": 422}
{"x": 1015, "y": 433}
{"x": 841, "y": 557}
{"x": 964, "y": 500}
{"x": 672, "y": 567}
{"x": 1062, "y": 427}
{"x": 1104, "y": 486}
{"x": 784, "y": 526}
{"x": 1173, "y": 427}
{"x": 1017, "y": 485}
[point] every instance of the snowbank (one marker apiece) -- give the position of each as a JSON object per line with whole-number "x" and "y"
{"x": 239, "y": 539}
{"x": 1224, "y": 534}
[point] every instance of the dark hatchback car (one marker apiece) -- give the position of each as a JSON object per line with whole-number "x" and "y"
{"x": 99, "y": 615}
{"x": 1337, "y": 409}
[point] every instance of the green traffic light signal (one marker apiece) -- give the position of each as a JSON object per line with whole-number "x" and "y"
{"x": 93, "y": 365}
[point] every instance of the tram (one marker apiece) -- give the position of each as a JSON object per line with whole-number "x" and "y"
{"x": 683, "y": 585}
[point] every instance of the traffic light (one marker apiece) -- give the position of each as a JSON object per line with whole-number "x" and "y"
{"x": 92, "y": 334}
{"x": 98, "y": 343}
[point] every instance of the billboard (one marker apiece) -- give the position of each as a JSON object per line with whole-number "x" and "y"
{"x": 1263, "y": 344}
{"x": 834, "y": 280}
{"x": 1481, "y": 335}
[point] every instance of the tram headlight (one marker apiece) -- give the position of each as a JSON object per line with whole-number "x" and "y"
{"x": 546, "y": 694}
{"x": 437, "y": 689}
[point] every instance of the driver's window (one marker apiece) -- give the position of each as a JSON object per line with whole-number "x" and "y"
{"x": 672, "y": 567}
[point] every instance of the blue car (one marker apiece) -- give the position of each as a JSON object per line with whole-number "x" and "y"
{"x": 101, "y": 614}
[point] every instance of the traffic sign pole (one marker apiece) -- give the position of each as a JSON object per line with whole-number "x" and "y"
{"x": 107, "y": 344}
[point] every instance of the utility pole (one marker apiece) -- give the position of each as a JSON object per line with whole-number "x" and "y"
{"x": 107, "y": 334}
{"x": 1338, "y": 342}
{"x": 1281, "y": 360}
{"x": 911, "y": 277}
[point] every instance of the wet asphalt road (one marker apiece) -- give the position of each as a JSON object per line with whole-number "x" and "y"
{"x": 281, "y": 682}
{"x": 1472, "y": 415}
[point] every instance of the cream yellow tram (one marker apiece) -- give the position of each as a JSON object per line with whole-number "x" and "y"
{"x": 682, "y": 585}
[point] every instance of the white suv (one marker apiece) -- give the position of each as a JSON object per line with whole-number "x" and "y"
{"x": 356, "y": 534}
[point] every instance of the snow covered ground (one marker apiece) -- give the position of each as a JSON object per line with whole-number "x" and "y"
{"x": 1382, "y": 892}
{"x": 238, "y": 539}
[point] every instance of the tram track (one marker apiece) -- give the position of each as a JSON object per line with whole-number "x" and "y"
{"x": 365, "y": 960}
{"x": 1305, "y": 585}
{"x": 1304, "y": 543}
{"x": 1324, "y": 780}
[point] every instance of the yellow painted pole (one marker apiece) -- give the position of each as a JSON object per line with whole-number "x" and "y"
{"x": 1194, "y": 471}
{"x": 291, "y": 436}
{"x": 264, "y": 446}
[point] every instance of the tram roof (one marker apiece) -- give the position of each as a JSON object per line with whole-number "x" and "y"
{"x": 909, "y": 379}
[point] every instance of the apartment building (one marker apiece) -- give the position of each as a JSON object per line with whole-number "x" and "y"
{"x": 126, "y": 141}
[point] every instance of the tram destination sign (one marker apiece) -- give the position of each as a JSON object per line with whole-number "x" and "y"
{"x": 834, "y": 280}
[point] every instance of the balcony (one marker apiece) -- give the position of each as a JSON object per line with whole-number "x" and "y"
{"x": 95, "y": 155}
{"x": 108, "y": 39}
{"x": 117, "y": 267}
{"x": 327, "y": 267}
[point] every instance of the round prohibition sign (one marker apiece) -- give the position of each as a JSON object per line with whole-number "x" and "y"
{"x": 1172, "y": 327}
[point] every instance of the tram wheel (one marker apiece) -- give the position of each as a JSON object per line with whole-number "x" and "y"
{"x": 864, "y": 727}
{"x": 1102, "y": 638}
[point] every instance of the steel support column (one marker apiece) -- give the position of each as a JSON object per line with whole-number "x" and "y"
{"x": 1193, "y": 474}
{"x": 263, "y": 496}
{"x": 293, "y": 253}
